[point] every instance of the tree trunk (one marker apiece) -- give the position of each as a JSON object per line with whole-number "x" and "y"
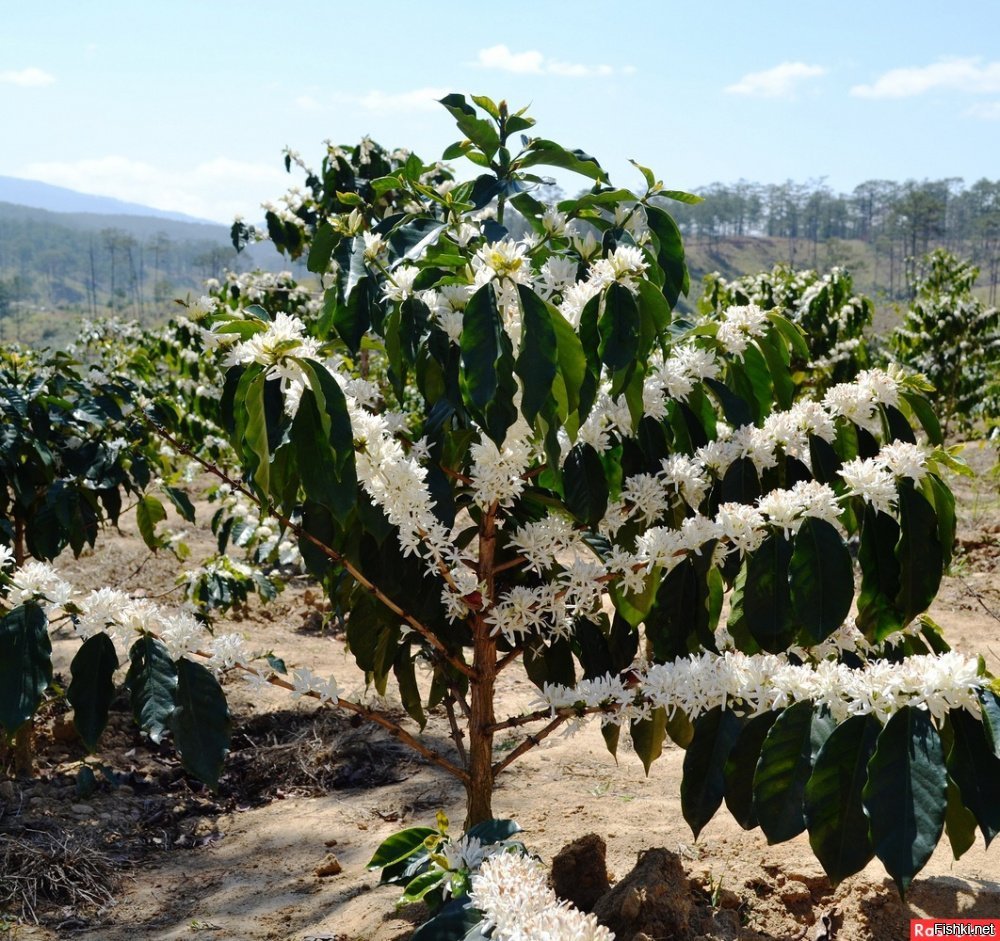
{"x": 479, "y": 790}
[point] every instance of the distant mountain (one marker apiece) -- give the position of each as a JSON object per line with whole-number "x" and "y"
{"x": 40, "y": 195}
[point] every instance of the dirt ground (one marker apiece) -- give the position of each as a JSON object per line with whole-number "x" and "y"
{"x": 302, "y": 785}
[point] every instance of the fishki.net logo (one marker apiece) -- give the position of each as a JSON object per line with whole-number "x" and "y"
{"x": 954, "y": 928}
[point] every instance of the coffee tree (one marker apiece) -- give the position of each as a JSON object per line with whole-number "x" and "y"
{"x": 562, "y": 476}
{"x": 953, "y": 338}
{"x": 825, "y": 307}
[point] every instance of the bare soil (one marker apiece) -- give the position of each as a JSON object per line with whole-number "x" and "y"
{"x": 280, "y": 851}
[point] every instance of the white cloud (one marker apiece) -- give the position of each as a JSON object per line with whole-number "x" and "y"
{"x": 307, "y": 103}
{"x": 30, "y": 77}
{"x": 377, "y": 101}
{"x": 421, "y": 99}
{"x": 214, "y": 189}
{"x": 533, "y": 62}
{"x": 969, "y": 75}
{"x": 781, "y": 81}
{"x": 984, "y": 111}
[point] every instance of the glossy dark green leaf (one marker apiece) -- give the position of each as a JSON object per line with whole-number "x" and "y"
{"x": 835, "y": 816}
{"x": 821, "y": 580}
{"x": 488, "y": 364}
{"x": 493, "y": 831}
{"x": 877, "y": 613}
{"x": 200, "y": 722}
{"x": 417, "y": 888}
{"x": 907, "y": 794}
{"x": 400, "y": 846}
{"x": 92, "y": 687}
{"x": 409, "y": 692}
{"x": 921, "y": 560}
{"x": 337, "y": 439}
{"x": 741, "y": 765}
{"x": 482, "y": 133}
{"x": 989, "y": 702}
{"x": 703, "y": 783}
{"x": 585, "y": 484}
{"x": 959, "y": 824}
{"x": 648, "y": 735}
{"x": 670, "y": 254}
{"x": 148, "y": 512}
{"x": 453, "y": 922}
{"x": 786, "y": 762}
{"x": 767, "y": 606}
{"x": 25, "y": 664}
{"x": 352, "y": 318}
{"x": 618, "y": 328}
{"x": 152, "y": 686}
{"x": 925, "y": 415}
{"x": 550, "y": 154}
{"x": 538, "y": 359}
{"x": 976, "y": 771}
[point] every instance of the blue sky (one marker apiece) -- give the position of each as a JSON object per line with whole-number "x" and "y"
{"x": 187, "y": 105}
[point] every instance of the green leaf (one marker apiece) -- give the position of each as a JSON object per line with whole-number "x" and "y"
{"x": 925, "y": 415}
{"x": 835, "y": 817}
{"x": 703, "y": 783}
{"x": 919, "y": 553}
{"x": 586, "y": 484}
{"x": 786, "y": 762}
{"x": 821, "y": 580}
{"x": 488, "y": 364}
{"x": 767, "y": 608}
{"x": 399, "y": 846}
{"x": 740, "y": 767}
{"x": 254, "y": 445}
{"x": 148, "y": 512}
{"x": 907, "y": 794}
{"x": 959, "y": 824}
{"x": 619, "y": 328}
{"x": 989, "y": 702}
{"x": 453, "y": 922}
{"x": 406, "y": 678}
{"x": 670, "y": 254}
{"x": 976, "y": 771}
{"x": 25, "y": 664}
{"x": 493, "y": 831}
{"x": 550, "y": 154}
{"x": 648, "y": 735}
{"x": 152, "y": 686}
{"x": 680, "y": 196}
{"x": 335, "y": 437}
{"x": 537, "y": 362}
{"x": 482, "y": 133}
{"x": 92, "y": 687}
{"x": 877, "y": 613}
{"x": 417, "y": 888}
{"x": 200, "y": 722}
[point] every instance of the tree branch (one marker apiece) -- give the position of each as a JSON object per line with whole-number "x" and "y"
{"x": 328, "y": 551}
{"x": 456, "y": 732}
{"x": 529, "y": 742}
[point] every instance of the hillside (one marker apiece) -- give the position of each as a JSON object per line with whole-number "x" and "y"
{"x": 56, "y": 267}
{"x": 38, "y": 195}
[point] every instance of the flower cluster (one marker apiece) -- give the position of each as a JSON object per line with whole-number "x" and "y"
{"x": 512, "y": 892}
{"x": 759, "y": 683}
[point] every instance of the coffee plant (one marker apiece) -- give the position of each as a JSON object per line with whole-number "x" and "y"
{"x": 952, "y": 338}
{"x": 832, "y": 317}
{"x": 562, "y": 476}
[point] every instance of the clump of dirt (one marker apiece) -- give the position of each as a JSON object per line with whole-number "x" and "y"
{"x": 580, "y": 871}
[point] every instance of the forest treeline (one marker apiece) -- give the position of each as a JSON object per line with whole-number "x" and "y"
{"x": 54, "y": 264}
{"x": 93, "y": 265}
{"x": 896, "y": 221}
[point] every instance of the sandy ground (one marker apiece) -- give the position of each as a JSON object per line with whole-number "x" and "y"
{"x": 237, "y": 869}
